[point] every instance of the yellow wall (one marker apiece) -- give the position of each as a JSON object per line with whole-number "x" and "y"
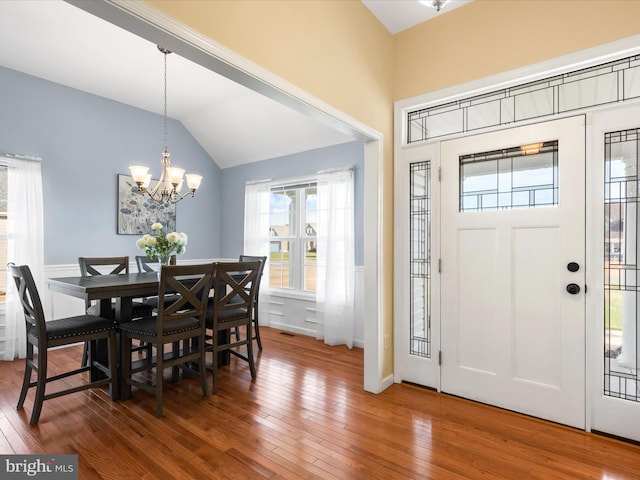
{"x": 337, "y": 51}
{"x": 487, "y": 37}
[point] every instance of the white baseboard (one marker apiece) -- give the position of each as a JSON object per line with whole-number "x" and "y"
{"x": 287, "y": 327}
{"x": 387, "y": 382}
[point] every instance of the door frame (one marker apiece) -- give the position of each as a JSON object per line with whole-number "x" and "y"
{"x": 404, "y": 154}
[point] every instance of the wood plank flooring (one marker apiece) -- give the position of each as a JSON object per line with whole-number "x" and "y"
{"x": 305, "y": 417}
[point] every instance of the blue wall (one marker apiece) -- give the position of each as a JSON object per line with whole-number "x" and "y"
{"x": 306, "y": 163}
{"x": 85, "y": 141}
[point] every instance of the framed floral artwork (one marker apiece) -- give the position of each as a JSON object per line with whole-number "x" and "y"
{"x": 137, "y": 212}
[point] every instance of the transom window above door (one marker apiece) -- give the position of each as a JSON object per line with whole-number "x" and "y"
{"x": 525, "y": 176}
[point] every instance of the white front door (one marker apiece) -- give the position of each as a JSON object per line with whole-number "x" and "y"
{"x": 512, "y": 241}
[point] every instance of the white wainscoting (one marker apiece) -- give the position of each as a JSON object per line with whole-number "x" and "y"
{"x": 58, "y": 305}
{"x": 292, "y": 314}
{"x": 295, "y": 314}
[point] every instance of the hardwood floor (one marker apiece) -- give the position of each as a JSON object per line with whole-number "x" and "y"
{"x": 305, "y": 417}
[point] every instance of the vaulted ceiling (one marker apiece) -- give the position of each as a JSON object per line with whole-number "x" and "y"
{"x": 57, "y": 41}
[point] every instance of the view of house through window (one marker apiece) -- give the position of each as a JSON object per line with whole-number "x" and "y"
{"x": 292, "y": 231}
{"x": 621, "y": 297}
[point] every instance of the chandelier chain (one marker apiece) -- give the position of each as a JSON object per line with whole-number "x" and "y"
{"x": 165, "y": 101}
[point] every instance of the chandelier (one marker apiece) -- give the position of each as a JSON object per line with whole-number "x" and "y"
{"x": 435, "y": 4}
{"x": 167, "y": 190}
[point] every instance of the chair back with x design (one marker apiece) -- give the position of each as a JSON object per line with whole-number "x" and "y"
{"x": 231, "y": 308}
{"x": 179, "y": 322}
{"x": 116, "y": 264}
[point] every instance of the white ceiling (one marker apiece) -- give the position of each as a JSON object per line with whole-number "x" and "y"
{"x": 59, "y": 42}
{"x": 398, "y": 15}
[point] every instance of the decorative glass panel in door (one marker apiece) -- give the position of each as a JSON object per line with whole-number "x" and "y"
{"x": 420, "y": 259}
{"x": 621, "y": 272}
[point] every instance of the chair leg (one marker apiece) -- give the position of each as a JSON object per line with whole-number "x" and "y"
{"x": 92, "y": 354}
{"x": 41, "y": 383}
{"x": 214, "y": 351}
{"x": 125, "y": 366}
{"x": 175, "y": 353}
{"x": 252, "y": 365}
{"x": 27, "y": 376}
{"x": 159, "y": 378}
{"x": 203, "y": 367}
{"x": 145, "y": 347}
{"x": 85, "y": 355}
{"x": 113, "y": 366}
{"x": 257, "y": 330}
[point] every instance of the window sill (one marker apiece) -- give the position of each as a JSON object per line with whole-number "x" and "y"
{"x": 293, "y": 294}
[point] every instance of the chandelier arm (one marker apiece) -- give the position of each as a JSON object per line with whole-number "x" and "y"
{"x": 172, "y": 197}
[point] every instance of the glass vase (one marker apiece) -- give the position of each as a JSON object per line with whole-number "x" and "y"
{"x": 162, "y": 260}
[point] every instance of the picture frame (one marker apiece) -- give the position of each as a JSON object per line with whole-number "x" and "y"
{"x": 136, "y": 212}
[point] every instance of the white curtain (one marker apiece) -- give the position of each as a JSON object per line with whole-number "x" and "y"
{"x": 256, "y": 233}
{"x": 25, "y": 244}
{"x": 335, "y": 257}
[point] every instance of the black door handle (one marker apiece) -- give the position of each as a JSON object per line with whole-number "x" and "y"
{"x": 573, "y": 289}
{"x": 573, "y": 267}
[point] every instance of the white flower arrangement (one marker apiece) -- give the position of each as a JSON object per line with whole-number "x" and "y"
{"x": 162, "y": 246}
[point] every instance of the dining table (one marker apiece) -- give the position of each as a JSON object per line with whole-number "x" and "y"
{"x": 121, "y": 289}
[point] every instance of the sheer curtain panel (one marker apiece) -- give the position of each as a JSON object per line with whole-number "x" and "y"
{"x": 256, "y": 233}
{"x": 335, "y": 257}
{"x": 25, "y": 244}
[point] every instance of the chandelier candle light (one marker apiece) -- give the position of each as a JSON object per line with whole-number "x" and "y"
{"x": 167, "y": 190}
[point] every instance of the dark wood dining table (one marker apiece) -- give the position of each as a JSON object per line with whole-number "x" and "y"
{"x": 122, "y": 288}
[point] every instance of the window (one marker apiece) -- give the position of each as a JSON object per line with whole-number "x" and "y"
{"x": 518, "y": 177}
{"x": 606, "y": 83}
{"x": 21, "y": 240}
{"x": 621, "y": 214}
{"x": 292, "y": 231}
{"x": 420, "y": 258}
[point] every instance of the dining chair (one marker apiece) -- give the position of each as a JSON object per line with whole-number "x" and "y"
{"x": 144, "y": 265}
{"x": 180, "y": 322}
{"x": 45, "y": 335}
{"x": 256, "y": 323}
{"x": 231, "y": 308}
{"x": 112, "y": 265}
